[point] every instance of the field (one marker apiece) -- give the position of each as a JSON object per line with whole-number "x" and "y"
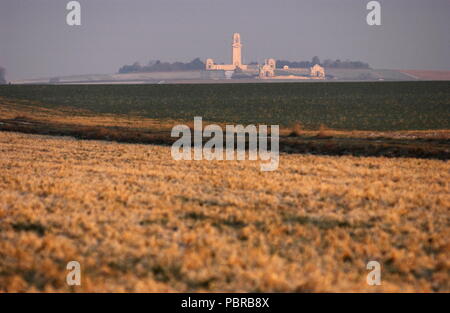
{"x": 429, "y": 75}
{"x": 387, "y": 106}
{"x": 87, "y": 175}
{"x": 138, "y": 221}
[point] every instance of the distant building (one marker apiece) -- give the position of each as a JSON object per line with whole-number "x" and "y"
{"x": 317, "y": 71}
{"x": 268, "y": 69}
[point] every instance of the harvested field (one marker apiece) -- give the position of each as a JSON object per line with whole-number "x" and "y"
{"x": 138, "y": 221}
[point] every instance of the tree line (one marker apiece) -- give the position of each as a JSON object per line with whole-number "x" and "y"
{"x": 197, "y": 64}
{"x": 326, "y": 63}
{"x": 158, "y": 66}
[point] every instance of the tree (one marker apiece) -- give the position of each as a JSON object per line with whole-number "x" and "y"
{"x": 315, "y": 60}
{"x": 2, "y": 75}
{"x": 54, "y": 80}
{"x": 197, "y": 64}
{"x": 136, "y": 67}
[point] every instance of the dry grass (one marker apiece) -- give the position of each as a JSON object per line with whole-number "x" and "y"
{"x": 138, "y": 221}
{"x": 10, "y": 109}
{"x": 296, "y": 130}
{"x": 324, "y": 132}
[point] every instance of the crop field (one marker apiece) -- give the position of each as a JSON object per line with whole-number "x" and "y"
{"x": 379, "y": 106}
{"x": 138, "y": 221}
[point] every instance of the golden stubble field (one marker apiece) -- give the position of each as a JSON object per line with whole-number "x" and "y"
{"x": 138, "y": 221}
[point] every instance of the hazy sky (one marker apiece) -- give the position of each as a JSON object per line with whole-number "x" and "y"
{"x": 35, "y": 40}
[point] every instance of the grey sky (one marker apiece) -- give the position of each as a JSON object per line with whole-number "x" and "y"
{"x": 36, "y": 42}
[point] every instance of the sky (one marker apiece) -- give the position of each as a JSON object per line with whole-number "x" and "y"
{"x": 35, "y": 40}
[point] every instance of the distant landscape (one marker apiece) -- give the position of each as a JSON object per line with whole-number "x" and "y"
{"x": 197, "y": 64}
{"x": 193, "y": 72}
{"x": 201, "y": 77}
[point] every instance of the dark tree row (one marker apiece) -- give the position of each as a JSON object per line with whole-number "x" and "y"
{"x": 2, "y": 76}
{"x": 327, "y": 63}
{"x": 197, "y": 64}
{"x": 159, "y": 66}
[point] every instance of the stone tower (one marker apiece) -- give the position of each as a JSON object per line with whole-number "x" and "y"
{"x": 236, "y": 60}
{"x": 237, "y": 50}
